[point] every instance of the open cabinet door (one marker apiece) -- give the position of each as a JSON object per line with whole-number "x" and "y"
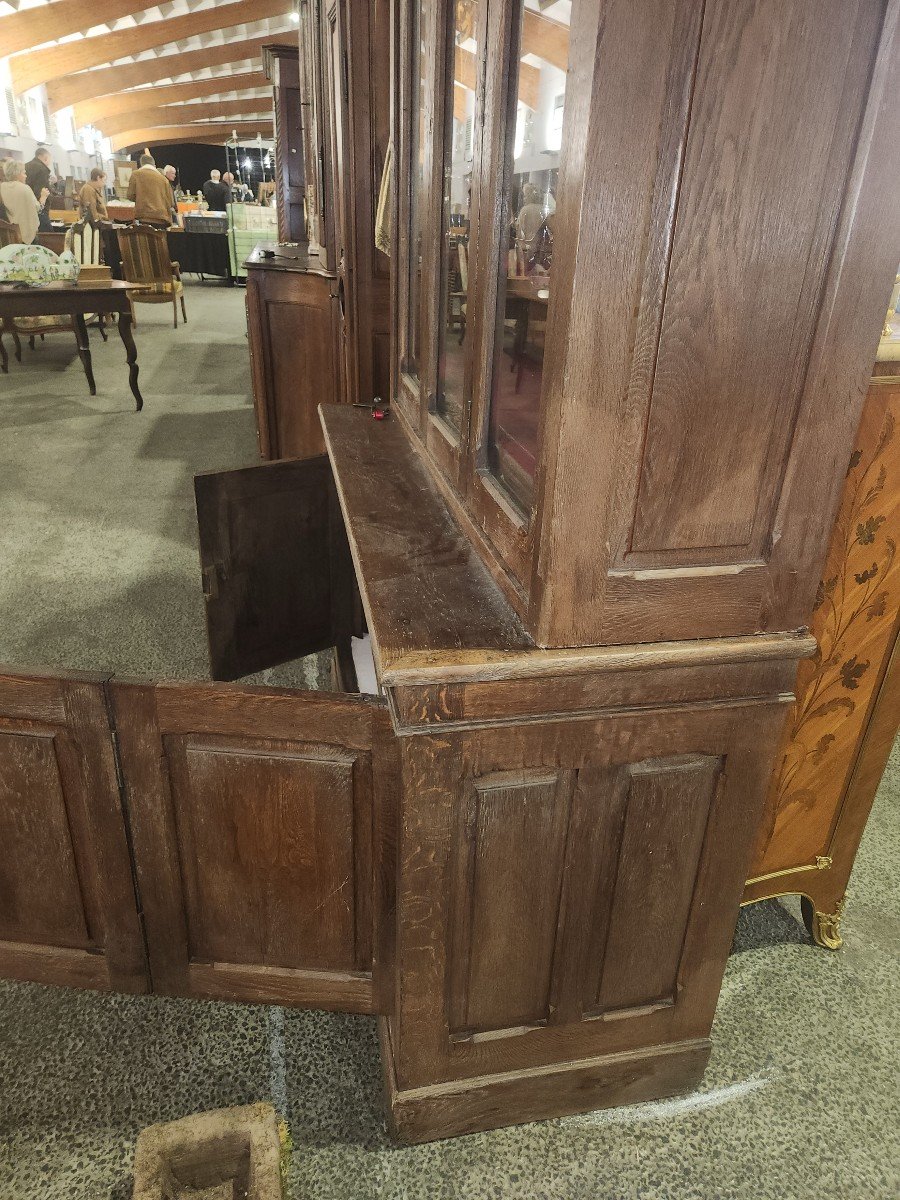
{"x": 262, "y": 827}
{"x": 272, "y": 549}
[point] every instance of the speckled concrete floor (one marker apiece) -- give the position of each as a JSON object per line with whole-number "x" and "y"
{"x": 801, "y": 1099}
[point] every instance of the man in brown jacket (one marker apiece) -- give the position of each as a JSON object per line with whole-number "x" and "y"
{"x": 92, "y": 199}
{"x": 151, "y": 193}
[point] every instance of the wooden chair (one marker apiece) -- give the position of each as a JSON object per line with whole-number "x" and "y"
{"x": 10, "y": 236}
{"x": 146, "y": 263}
{"x": 458, "y": 294}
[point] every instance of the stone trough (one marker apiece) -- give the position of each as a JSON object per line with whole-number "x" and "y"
{"x": 228, "y": 1154}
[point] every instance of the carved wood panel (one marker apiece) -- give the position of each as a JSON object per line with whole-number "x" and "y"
{"x": 573, "y": 891}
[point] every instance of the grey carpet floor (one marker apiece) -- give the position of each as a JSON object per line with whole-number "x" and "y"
{"x": 98, "y": 537}
{"x": 99, "y": 566}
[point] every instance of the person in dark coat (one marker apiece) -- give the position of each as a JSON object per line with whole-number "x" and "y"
{"x": 37, "y": 176}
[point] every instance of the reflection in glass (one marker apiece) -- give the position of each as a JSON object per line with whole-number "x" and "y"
{"x": 461, "y": 123}
{"x": 534, "y": 138}
{"x": 417, "y": 192}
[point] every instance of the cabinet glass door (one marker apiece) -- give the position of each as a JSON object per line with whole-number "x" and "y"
{"x": 417, "y": 183}
{"x": 536, "y": 103}
{"x": 462, "y": 125}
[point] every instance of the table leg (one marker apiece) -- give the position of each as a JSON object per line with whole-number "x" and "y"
{"x": 17, "y": 344}
{"x": 4, "y": 357}
{"x": 84, "y": 350}
{"x": 131, "y": 355}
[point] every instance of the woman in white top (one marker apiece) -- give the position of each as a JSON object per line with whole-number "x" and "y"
{"x": 19, "y": 200}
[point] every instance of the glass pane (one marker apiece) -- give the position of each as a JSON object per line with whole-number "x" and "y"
{"x": 462, "y": 121}
{"x": 417, "y": 192}
{"x": 534, "y": 138}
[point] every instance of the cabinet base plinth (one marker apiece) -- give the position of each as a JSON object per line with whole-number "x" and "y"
{"x": 443, "y": 1110}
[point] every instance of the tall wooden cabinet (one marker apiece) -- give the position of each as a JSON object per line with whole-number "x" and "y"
{"x": 319, "y": 313}
{"x": 639, "y": 261}
{"x": 282, "y": 67}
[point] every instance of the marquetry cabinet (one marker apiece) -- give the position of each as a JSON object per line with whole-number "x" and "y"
{"x": 841, "y": 730}
{"x": 639, "y": 255}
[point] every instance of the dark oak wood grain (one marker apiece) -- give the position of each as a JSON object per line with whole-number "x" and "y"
{"x": 294, "y": 333}
{"x": 254, "y": 817}
{"x": 68, "y": 913}
{"x": 266, "y": 563}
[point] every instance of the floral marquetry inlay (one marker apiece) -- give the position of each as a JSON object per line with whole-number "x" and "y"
{"x": 854, "y": 623}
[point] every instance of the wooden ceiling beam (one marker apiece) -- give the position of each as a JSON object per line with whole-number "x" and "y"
{"x": 136, "y": 139}
{"x": 465, "y": 71}
{"x": 93, "y": 112}
{"x": 108, "y": 81}
{"x": 546, "y": 39}
{"x": 181, "y": 114}
{"x": 31, "y": 27}
{"x": 40, "y": 66}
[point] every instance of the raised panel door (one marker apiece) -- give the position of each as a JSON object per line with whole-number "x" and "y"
{"x": 262, "y": 833}
{"x": 68, "y": 912}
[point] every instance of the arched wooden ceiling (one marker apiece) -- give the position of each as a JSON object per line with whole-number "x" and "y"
{"x": 136, "y": 139}
{"x": 238, "y": 54}
{"x": 99, "y": 56}
{"x": 99, "y": 110}
{"x": 183, "y": 114}
{"x": 63, "y": 58}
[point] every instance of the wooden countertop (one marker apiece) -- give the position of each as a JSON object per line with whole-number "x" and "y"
{"x": 433, "y": 610}
{"x": 424, "y": 588}
{"x": 288, "y": 258}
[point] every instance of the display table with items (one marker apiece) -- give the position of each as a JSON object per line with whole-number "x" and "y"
{"x": 197, "y": 253}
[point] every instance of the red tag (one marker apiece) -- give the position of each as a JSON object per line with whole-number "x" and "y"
{"x": 378, "y": 414}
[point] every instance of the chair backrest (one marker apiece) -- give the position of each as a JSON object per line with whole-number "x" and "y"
{"x": 84, "y": 242}
{"x": 463, "y": 266}
{"x": 9, "y": 234}
{"x": 145, "y": 255}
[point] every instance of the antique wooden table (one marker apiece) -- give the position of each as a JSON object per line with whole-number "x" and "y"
{"x": 73, "y": 300}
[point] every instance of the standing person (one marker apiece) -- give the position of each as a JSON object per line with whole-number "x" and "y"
{"x": 216, "y": 193}
{"x": 22, "y": 206}
{"x": 171, "y": 174}
{"x": 92, "y": 199}
{"x": 37, "y": 176}
{"x": 151, "y": 193}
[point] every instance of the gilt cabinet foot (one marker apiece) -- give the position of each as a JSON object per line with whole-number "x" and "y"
{"x": 824, "y": 927}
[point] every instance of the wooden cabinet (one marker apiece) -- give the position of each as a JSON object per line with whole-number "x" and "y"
{"x": 839, "y": 735}
{"x": 644, "y": 450}
{"x": 68, "y": 913}
{"x": 282, "y": 67}
{"x": 345, "y": 95}
{"x": 636, "y": 293}
{"x": 295, "y": 336}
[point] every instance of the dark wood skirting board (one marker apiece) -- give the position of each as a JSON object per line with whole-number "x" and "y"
{"x": 426, "y": 1114}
